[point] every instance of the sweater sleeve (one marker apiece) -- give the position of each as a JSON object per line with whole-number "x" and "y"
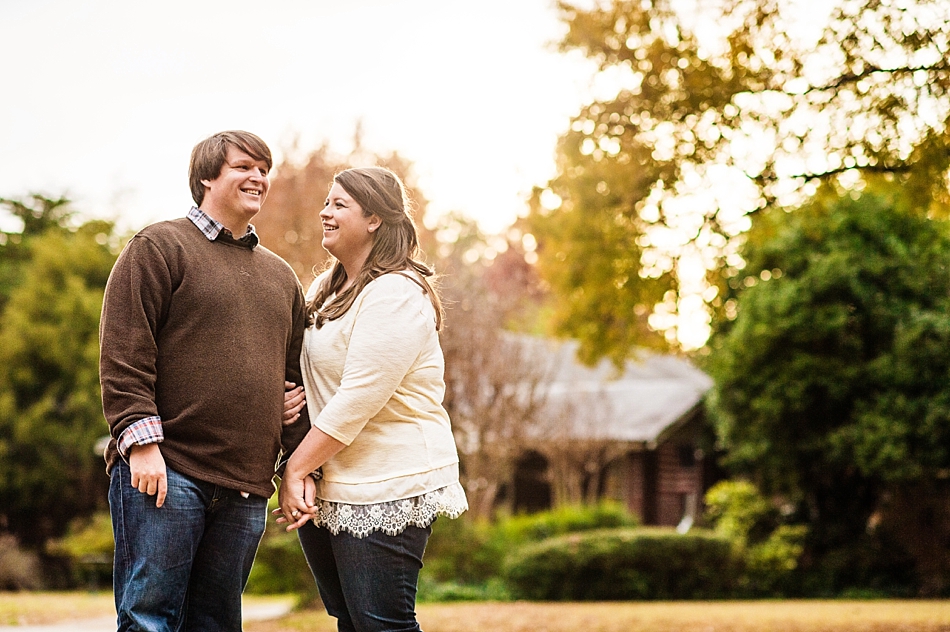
{"x": 390, "y": 330}
{"x": 292, "y": 435}
{"x": 134, "y": 307}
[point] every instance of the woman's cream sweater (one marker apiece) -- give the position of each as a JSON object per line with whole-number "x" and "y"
{"x": 374, "y": 381}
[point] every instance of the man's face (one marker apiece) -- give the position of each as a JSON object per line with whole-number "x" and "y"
{"x": 239, "y": 190}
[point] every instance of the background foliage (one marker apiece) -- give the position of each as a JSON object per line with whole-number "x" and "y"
{"x": 50, "y": 410}
{"x": 832, "y": 382}
{"x": 706, "y": 114}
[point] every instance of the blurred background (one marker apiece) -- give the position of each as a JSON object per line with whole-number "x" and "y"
{"x": 695, "y": 255}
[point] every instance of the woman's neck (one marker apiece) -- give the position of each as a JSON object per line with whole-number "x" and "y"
{"x": 352, "y": 266}
{"x": 351, "y": 270}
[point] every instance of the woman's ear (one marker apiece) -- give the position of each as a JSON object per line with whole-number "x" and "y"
{"x": 374, "y": 223}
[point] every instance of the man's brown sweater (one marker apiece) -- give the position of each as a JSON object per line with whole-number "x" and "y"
{"x": 203, "y": 334}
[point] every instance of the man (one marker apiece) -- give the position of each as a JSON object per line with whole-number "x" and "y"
{"x": 201, "y": 326}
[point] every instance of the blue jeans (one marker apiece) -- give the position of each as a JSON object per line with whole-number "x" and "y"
{"x": 368, "y": 584}
{"x": 182, "y": 567}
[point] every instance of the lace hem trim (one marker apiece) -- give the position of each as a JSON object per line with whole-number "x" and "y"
{"x": 391, "y": 517}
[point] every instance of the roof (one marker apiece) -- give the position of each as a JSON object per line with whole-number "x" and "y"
{"x": 649, "y": 396}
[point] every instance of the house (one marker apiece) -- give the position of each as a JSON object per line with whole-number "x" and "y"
{"x": 636, "y": 435}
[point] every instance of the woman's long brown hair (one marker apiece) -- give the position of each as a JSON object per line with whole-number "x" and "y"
{"x": 395, "y": 249}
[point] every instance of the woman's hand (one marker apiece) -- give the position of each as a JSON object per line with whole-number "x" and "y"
{"x": 296, "y": 500}
{"x": 294, "y": 401}
{"x": 297, "y": 489}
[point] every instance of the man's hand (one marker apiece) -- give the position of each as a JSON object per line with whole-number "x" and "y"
{"x": 148, "y": 471}
{"x": 294, "y": 400}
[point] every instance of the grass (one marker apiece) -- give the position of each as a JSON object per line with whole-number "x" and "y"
{"x": 723, "y": 616}
{"x": 40, "y": 608}
{"x": 37, "y": 608}
{"x": 690, "y": 616}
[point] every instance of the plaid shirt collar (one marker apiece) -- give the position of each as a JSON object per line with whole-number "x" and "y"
{"x": 211, "y": 227}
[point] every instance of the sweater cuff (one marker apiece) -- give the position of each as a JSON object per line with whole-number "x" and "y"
{"x": 142, "y": 432}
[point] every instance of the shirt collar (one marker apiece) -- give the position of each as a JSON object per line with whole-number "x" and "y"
{"x": 212, "y": 228}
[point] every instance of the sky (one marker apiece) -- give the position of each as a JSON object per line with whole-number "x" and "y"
{"x": 104, "y": 99}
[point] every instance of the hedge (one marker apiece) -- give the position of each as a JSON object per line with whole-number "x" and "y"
{"x": 619, "y": 564}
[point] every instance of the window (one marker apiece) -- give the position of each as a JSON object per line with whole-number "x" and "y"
{"x": 687, "y": 455}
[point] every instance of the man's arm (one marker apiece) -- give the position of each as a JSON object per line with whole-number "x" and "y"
{"x": 293, "y": 433}
{"x": 133, "y": 308}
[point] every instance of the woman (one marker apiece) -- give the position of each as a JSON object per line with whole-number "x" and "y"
{"x": 373, "y": 376}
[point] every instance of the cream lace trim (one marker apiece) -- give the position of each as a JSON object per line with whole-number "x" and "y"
{"x": 391, "y": 517}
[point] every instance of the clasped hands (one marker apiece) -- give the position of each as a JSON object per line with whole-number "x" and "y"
{"x": 296, "y": 500}
{"x": 296, "y": 494}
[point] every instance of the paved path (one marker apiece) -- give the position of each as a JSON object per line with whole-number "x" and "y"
{"x": 254, "y": 612}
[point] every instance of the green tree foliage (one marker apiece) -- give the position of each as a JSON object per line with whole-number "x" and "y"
{"x": 50, "y": 411}
{"x": 708, "y": 112}
{"x": 37, "y": 214}
{"x": 833, "y": 381}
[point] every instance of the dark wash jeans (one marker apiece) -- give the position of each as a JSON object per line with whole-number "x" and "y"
{"x": 368, "y": 584}
{"x": 182, "y": 567}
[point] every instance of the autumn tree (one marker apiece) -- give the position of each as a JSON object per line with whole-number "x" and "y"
{"x": 290, "y": 224}
{"x": 482, "y": 373}
{"x": 495, "y": 386}
{"x": 705, "y": 114}
{"x": 833, "y": 381}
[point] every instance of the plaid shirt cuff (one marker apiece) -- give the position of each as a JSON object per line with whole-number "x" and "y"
{"x": 142, "y": 432}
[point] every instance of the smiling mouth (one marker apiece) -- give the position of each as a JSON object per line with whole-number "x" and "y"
{"x": 327, "y": 229}
{"x": 254, "y": 192}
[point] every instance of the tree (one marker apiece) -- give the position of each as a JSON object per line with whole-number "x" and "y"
{"x": 38, "y": 213}
{"x": 50, "y": 411}
{"x": 718, "y": 110}
{"x": 833, "y": 380}
{"x": 494, "y": 385}
{"x": 487, "y": 378}
{"x": 290, "y": 221}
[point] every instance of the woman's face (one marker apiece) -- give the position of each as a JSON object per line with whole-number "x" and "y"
{"x": 347, "y": 233}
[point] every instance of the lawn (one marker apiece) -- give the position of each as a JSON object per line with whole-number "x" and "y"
{"x": 40, "y": 608}
{"x": 720, "y": 616}
{"x": 36, "y": 608}
{"x": 758, "y": 616}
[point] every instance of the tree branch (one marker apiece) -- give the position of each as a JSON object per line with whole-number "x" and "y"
{"x": 850, "y": 78}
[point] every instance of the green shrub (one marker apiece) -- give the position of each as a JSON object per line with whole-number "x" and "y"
{"x": 568, "y": 519}
{"x": 625, "y": 563}
{"x": 738, "y": 511}
{"x": 466, "y": 555}
{"x": 769, "y": 565}
{"x": 491, "y": 590}
{"x": 768, "y": 551}
{"x": 460, "y": 551}
{"x": 87, "y": 537}
{"x": 85, "y": 552}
